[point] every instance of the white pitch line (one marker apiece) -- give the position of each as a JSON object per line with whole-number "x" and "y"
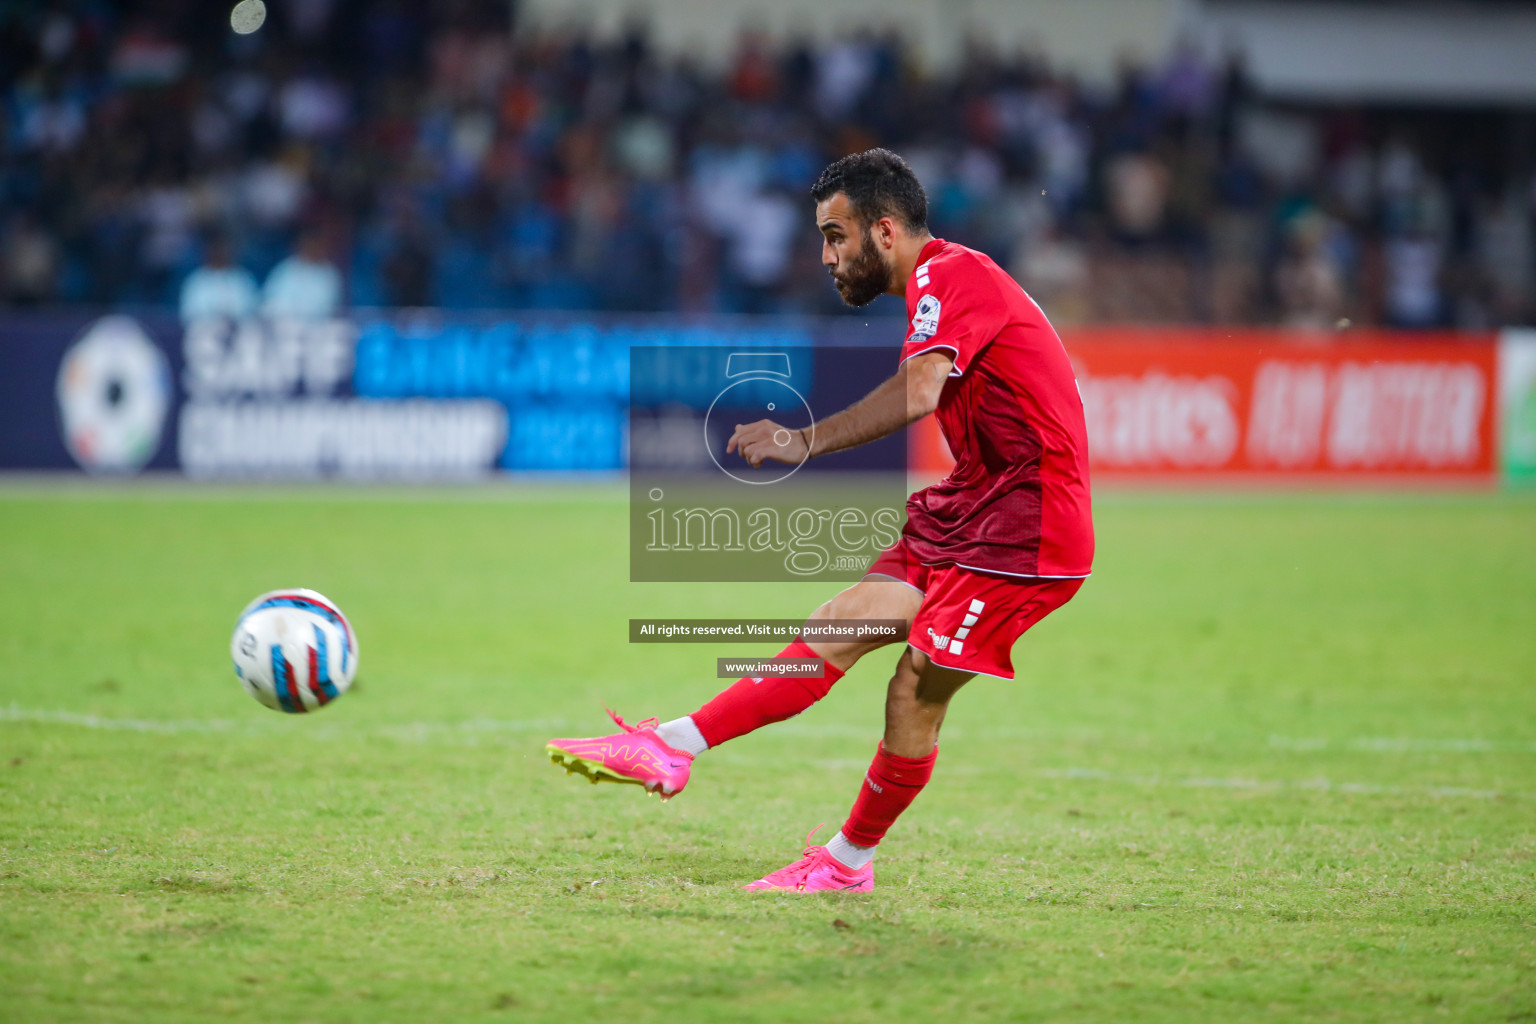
{"x": 1403, "y": 745}
{"x": 414, "y": 732}
{"x": 14, "y": 713}
{"x": 1320, "y": 785}
{"x": 473, "y": 732}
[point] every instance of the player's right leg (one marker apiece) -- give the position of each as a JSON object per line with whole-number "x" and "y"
{"x": 915, "y": 703}
{"x": 659, "y": 757}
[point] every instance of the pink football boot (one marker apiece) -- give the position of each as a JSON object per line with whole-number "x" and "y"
{"x": 817, "y": 871}
{"x": 636, "y": 755}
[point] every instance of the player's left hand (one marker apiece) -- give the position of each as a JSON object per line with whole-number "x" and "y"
{"x": 764, "y": 440}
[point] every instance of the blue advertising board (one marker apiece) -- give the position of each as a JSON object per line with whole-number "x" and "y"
{"x": 377, "y": 395}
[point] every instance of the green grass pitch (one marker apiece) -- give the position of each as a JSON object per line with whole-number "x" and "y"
{"x": 1277, "y": 762}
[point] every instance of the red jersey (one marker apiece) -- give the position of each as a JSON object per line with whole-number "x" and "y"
{"x": 1017, "y": 500}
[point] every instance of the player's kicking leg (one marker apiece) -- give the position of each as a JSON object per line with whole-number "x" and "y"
{"x": 915, "y": 703}
{"x": 659, "y": 756}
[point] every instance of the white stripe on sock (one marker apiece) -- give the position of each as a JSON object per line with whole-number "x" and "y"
{"x": 684, "y": 735}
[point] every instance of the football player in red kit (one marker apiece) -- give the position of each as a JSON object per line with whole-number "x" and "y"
{"x": 1002, "y": 541}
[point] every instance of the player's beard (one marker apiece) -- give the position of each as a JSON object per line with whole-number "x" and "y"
{"x": 865, "y": 277}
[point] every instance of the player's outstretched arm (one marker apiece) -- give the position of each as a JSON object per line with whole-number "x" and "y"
{"x": 908, "y": 395}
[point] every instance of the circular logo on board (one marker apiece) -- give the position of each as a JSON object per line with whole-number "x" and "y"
{"x": 114, "y": 391}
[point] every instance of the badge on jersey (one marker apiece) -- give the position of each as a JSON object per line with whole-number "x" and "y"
{"x": 926, "y": 320}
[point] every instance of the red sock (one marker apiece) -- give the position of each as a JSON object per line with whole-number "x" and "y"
{"x": 750, "y": 704}
{"x": 889, "y": 788}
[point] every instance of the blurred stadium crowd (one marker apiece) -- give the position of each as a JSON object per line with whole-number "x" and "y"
{"x": 439, "y": 154}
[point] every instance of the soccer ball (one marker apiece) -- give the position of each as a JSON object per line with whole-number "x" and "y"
{"x": 294, "y": 651}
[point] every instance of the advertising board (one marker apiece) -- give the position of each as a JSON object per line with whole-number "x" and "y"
{"x": 414, "y": 395}
{"x": 1213, "y": 404}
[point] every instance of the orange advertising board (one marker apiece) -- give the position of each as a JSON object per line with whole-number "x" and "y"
{"x": 1169, "y": 404}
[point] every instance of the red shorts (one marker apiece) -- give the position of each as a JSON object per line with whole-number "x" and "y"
{"x": 970, "y": 620}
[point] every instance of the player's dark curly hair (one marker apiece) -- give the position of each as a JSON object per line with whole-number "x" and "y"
{"x": 878, "y": 184}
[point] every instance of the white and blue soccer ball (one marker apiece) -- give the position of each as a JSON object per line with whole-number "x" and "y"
{"x": 294, "y": 650}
